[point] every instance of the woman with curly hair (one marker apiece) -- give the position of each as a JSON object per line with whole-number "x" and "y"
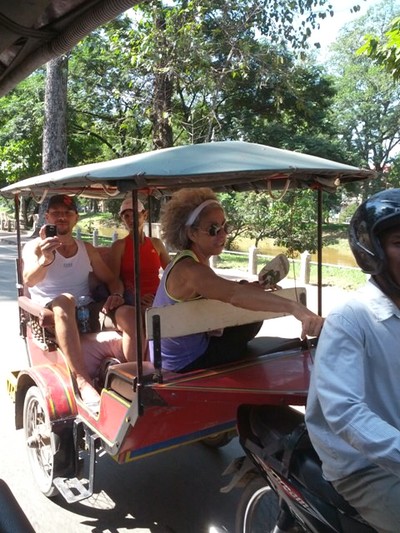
{"x": 193, "y": 223}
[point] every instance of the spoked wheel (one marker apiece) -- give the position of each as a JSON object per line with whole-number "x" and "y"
{"x": 50, "y": 455}
{"x": 258, "y": 508}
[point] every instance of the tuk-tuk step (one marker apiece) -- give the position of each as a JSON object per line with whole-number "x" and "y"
{"x": 72, "y": 489}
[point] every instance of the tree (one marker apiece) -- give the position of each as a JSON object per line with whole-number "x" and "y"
{"x": 108, "y": 99}
{"x": 210, "y": 49}
{"x": 385, "y": 50}
{"x": 55, "y": 115}
{"x": 21, "y": 130}
{"x": 366, "y": 112}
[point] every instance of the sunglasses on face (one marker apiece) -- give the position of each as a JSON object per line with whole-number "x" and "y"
{"x": 215, "y": 229}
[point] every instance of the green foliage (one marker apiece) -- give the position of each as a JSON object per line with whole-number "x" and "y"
{"x": 385, "y": 50}
{"x": 292, "y": 222}
{"x": 105, "y": 99}
{"x": 366, "y": 112}
{"x": 233, "y": 207}
{"x": 21, "y": 126}
{"x": 289, "y": 221}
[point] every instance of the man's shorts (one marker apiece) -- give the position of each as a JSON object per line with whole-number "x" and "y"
{"x": 98, "y": 320}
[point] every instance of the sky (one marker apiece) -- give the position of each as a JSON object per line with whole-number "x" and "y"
{"x": 331, "y": 25}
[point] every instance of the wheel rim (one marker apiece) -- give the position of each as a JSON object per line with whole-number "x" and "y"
{"x": 39, "y": 443}
{"x": 261, "y": 508}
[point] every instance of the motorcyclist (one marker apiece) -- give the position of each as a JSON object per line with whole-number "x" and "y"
{"x": 353, "y": 414}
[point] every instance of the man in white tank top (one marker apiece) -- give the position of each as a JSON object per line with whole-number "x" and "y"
{"x": 56, "y": 270}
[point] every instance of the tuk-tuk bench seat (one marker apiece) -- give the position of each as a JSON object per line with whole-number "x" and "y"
{"x": 96, "y": 345}
{"x": 206, "y": 315}
{"x": 44, "y": 315}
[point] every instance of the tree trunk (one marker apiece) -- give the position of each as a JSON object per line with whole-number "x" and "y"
{"x": 55, "y": 115}
{"x": 54, "y": 155}
{"x": 162, "y": 90}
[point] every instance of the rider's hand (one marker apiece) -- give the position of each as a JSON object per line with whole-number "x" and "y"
{"x": 46, "y": 247}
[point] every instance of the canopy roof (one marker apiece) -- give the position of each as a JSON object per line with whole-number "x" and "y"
{"x": 34, "y": 31}
{"x": 226, "y": 165}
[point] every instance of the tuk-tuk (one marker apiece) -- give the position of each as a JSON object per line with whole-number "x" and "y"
{"x": 145, "y": 409}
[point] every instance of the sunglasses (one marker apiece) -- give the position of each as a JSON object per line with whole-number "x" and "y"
{"x": 215, "y": 229}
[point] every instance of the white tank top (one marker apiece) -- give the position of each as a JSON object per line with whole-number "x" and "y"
{"x": 64, "y": 275}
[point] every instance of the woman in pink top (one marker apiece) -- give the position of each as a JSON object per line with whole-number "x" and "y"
{"x": 153, "y": 256}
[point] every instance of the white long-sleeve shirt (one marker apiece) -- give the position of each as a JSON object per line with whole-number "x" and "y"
{"x": 353, "y": 407}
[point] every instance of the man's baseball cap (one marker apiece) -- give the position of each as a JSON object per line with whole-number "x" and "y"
{"x": 64, "y": 200}
{"x": 127, "y": 204}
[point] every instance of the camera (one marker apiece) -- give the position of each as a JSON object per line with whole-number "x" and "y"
{"x": 50, "y": 230}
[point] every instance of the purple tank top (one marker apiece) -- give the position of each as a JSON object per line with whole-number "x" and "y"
{"x": 177, "y": 352}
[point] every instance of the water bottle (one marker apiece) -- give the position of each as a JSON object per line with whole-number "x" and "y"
{"x": 83, "y": 314}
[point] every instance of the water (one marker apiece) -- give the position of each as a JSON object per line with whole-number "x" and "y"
{"x": 330, "y": 256}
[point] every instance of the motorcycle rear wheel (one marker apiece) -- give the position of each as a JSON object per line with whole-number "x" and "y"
{"x": 258, "y": 508}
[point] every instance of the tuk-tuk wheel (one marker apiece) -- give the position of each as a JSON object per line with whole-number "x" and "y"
{"x": 50, "y": 455}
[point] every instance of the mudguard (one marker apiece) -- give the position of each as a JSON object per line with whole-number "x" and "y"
{"x": 55, "y": 384}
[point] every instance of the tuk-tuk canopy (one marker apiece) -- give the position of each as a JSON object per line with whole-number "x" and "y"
{"x": 224, "y": 166}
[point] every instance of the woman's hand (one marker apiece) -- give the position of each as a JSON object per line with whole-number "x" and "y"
{"x": 113, "y": 302}
{"x": 146, "y": 301}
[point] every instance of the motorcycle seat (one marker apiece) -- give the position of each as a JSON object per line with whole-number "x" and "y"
{"x": 274, "y": 426}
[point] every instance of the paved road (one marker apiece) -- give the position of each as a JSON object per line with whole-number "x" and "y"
{"x": 175, "y": 491}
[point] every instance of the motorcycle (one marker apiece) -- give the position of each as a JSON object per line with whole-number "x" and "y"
{"x": 284, "y": 491}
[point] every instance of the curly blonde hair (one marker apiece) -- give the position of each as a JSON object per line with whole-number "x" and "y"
{"x": 176, "y": 212}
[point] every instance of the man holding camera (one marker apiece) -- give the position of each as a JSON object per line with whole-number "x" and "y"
{"x": 56, "y": 270}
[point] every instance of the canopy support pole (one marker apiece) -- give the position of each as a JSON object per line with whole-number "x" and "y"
{"x": 319, "y": 250}
{"x": 136, "y": 292}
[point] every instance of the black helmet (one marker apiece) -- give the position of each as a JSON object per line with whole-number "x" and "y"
{"x": 378, "y": 213}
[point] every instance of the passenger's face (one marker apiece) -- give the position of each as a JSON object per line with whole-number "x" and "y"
{"x": 127, "y": 217}
{"x": 64, "y": 218}
{"x": 211, "y": 232}
{"x": 390, "y": 241}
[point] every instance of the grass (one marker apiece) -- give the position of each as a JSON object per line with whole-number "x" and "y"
{"x": 346, "y": 278}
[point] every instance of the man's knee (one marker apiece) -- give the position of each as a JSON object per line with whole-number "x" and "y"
{"x": 63, "y": 306}
{"x": 65, "y": 300}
